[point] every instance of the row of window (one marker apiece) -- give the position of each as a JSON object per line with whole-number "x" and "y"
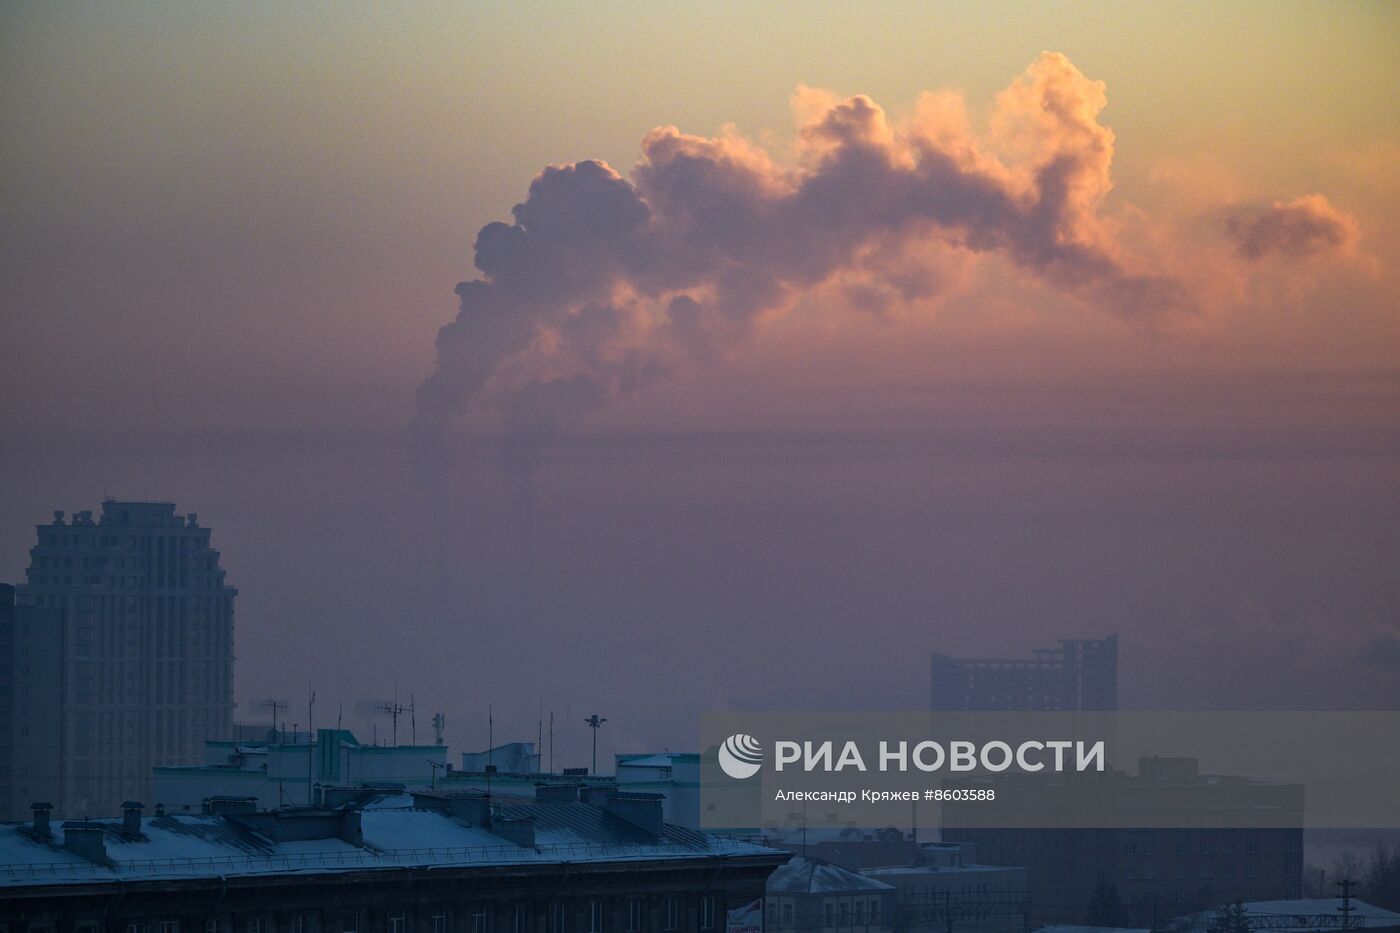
{"x": 476, "y": 920}
{"x": 1148, "y": 847}
{"x": 1227, "y": 872}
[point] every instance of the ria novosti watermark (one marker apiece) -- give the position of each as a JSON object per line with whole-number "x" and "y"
{"x": 1082, "y": 769}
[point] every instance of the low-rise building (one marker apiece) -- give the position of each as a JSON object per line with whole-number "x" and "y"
{"x": 809, "y": 894}
{"x": 512, "y": 757}
{"x": 423, "y": 863}
{"x": 287, "y": 772}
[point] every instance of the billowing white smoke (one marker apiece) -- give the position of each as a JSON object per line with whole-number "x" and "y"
{"x": 603, "y": 286}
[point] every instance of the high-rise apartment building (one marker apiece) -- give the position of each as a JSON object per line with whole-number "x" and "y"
{"x": 143, "y": 660}
{"x": 1081, "y": 674}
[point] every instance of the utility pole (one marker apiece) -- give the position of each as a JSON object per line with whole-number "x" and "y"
{"x": 310, "y": 747}
{"x": 594, "y": 723}
{"x": 1346, "y": 884}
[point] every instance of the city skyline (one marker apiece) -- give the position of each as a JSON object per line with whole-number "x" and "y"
{"x": 906, "y": 417}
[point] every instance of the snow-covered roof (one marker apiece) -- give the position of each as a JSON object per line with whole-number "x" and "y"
{"x": 395, "y": 834}
{"x": 1306, "y": 913}
{"x": 802, "y": 875}
{"x": 1081, "y": 928}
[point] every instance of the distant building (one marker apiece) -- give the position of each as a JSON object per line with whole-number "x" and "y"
{"x": 944, "y": 893}
{"x": 673, "y": 775}
{"x": 850, "y": 847}
{"x": 426, "y": 863}
{"x": 1159, "y": 872}
{"x": 288, "y": 772}
{"x": 1081, "y": 674}
{"x": 809, "y": 894}
{"x": 144, "y": 663}
{"x": 1297, "y": 915}
{"x": 31, "y": 704}
{"x": 511, "y": 758}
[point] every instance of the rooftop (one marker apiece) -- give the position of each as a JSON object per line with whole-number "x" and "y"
{"x": 393, "y": 832}
{"x": 802, "y": 875}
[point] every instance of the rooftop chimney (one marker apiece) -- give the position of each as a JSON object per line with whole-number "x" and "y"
{"x": 567, "y": 793}
{"x": 58, "y": 516}
{"x": 84, "y": 840}
{"x": 41, "y": 828}
{"x": 519, "y": 830}
{"x": 641, "y": 810}
{"x": 596, "y": 795}
{"x": 131, "y": 818}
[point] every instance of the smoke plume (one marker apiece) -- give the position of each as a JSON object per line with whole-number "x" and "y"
{"x": 601, "y": 286}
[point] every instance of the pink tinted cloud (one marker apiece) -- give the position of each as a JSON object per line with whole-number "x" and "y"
{"x": 1303, "y": 227}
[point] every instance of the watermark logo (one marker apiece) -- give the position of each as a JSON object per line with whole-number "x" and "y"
{"x": 741, "y": 756}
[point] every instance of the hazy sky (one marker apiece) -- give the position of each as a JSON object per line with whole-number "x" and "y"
{"x": 1026, "y": 357}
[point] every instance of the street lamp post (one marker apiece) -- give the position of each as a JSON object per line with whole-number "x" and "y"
{"x": 594, "y": 722}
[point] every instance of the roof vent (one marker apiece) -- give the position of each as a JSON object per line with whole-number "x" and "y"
{"x": 41, "y": 828}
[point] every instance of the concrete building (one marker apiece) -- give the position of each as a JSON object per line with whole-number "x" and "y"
{"x": 512, "y": 758}
{"x": 1081, "y": 674}
{"x": 1297, "y": 915}
{"x": 31, "y": 704}
{"x": 425, "y": 863}
{"x": 145, "y": 671}
{"x": 673, "y": 775}
{"x": 943, "y": 892}
{"x": 288, "y": 772}
{"x": 1159, "y": 872}
{"x": 810, "y": 895}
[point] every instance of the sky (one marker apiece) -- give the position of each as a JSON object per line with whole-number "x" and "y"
{"x": 805, "y": 340}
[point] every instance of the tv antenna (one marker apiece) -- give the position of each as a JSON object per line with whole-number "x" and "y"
{"x": 393, "y": 710}
{"x": 277, "y": 706}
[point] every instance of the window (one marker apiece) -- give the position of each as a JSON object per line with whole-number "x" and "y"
{"x": 301, "y": 924}
{"x": 398, "y": 923}
{"x": 259, "y": 925}
{"x": 440, "y": 922}
{"x": 478, "y": 920}
{"x": 673, "y": 913}
{"x": 556, "y": 917}
{"x": 214, "y": 925}
{"x": 170, "y": 926}
{"x": 787, "y": 915}
{"x": 875, "y": 913}
{"x": 597, "y": 911}
{"x": 860, "y": 913}
{"x": 707, "y": 912}
{"x": 830, "y": 914}
{"x": 636, "y": 912}
{"x": 844, "y": 913}
{"x": 1131, "y": 872}
{"x": 141, "y": 928}
{"x": 1181, "y": 873}
{"x": 349, "y": 923}
{"x": 517, "y": 919}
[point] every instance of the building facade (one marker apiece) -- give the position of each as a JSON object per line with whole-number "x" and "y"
{"x": 1081, "y": 674}
{"x": 809, "y": 895}
{"x": 1245, "y": 841}
{"x": 31, "y": 703}
{"x": 288, "y": 772}
{"x": 145, "y": 664}
{"x": 426, "y": 863}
